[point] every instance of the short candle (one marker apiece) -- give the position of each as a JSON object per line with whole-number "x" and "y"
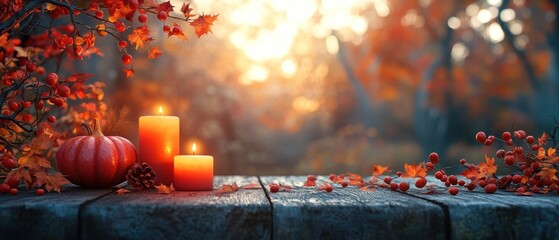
{"x": 194, "y": 172}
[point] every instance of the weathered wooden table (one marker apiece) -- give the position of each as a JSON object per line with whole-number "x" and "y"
{"x": 303, "y": 213}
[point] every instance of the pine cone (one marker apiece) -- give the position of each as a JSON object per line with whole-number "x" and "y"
{"x": 141, "y": 176}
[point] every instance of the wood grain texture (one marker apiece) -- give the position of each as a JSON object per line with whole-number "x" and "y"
{"x": 502, "y": 215}
{"x": 350, "y": 213}
{"x": 51, "y": 216}
{"x": 245, "y": 214}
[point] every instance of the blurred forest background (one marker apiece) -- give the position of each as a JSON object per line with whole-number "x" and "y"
{"x": 330, "y": 86}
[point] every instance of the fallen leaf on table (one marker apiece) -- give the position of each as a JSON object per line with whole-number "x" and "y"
{"x": 252, "y": 186}
{"x": 52, "y": 182}
{"x": 310, "y": 183}
{"x": 164, "y": 189}
{"x": 228, "y": 188}
{"x": 122, "y": 191}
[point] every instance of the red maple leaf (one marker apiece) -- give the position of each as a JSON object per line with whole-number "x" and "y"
{"x": 471, "y": 172}
{"x": 165, "y": 7}
{"x": 164, "y": 189}
{"x": 202, "y": 24}
{"x": 252, "y": 186}
{"x": 378, "y": 170}
{"x": 52, "y": 182}
{"x": 185, "y": 9}
{"x": 227, "y": 188}
{"x": 413, "y": 170}
{"x": 122, "y": 191}
{"x": 487, "y": 168}
{"x": 140, "y": 36}
{"x": 542, "y": 139}
{"x": 128, "y": 72}
{"x": 154, "y": 53}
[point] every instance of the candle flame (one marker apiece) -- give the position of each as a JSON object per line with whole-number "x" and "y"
{"x": 160, "y": 110}
{"x": 193, "y": 148}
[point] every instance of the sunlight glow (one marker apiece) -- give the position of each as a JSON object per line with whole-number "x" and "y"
{"x": 484, "y": 16}
{"x": 288, "y": 67}
{"x": 254, "y": 74}
{"x": 515, "y": 27}
{"x": 304, "y": 104}
{"x": 508, "y": 15}
{"x": 454, "y": 22}
{"x": 332, "y": 44}
{"x": 494, "y": 33}
{"x": 459, "y": 52}
{"x": 494, "y": 3}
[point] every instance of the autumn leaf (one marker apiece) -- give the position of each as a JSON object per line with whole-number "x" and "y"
{"x": 34, "y": 161}
{"x": 202, "y": 24}
{"x": 165, "y": 7}
{"x": 52, "y": 182}
{"x": 122, "y": 191}
{"x": 252, "y": 186}
{"x": 548, "y": 174}
{"x": 154, "y": 53}
{"x": 227, "y": 188}
{"x": 20, "y": 174}
{"x": 117, "y": 122}
{"x": 413, "y": 170}
{"x": 542, "y": 139}
{"x": 471, "y": 172}
{"x": 378, "y": 170}
{"x": 551, "y": 152}
{"x": 128, "y": 72}
{"x": 354, "y": 179}
{"x": 541, "y": 153}
{"x": 140, "y": 36}
{"x": 186, "y": 10}
{"x": 487, "y": 168}
{"x": 163, "y": 189}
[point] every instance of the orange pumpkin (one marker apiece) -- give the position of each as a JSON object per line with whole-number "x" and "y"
{"x": 96, "y": 161}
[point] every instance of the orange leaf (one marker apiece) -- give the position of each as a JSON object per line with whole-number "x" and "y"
{"x": 140, "y": 36}
{"x": 154, "y": 53}
{"x": 412, "y": 170}
{"x": 551, "y": 152}
{"x": 50, "y": 182}
{"x": 228, "y": 188}
{"x": 354, "y": 179}
{"x": 202, "y": 24}
{"x": 165, "y": 7}
{"x": 487, "y": 168}
{"x": 128, "y": 72}
{"x": 378, "y": 170}
{"x": 541, "y": 153}
{"x": 309, "y": 183}
{"x": 122, "y": 191}
{"x": 185, "y": 9}
{"x": 548, "y": 174}
{"x": 252, "y": 186}
{"x": 20, "y": 174}
{"x": 471, "y": 172}
{"x": 542, "y": 139}
{"x": 164, "y": 189}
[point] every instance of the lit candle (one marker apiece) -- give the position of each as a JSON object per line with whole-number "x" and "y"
{"x": 159, "y": 143}
{"x": 194, "y": 172}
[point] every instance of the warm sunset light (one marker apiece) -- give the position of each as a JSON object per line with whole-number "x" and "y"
{"x": 160, "y": 110}
{"x": 194, "y": 148}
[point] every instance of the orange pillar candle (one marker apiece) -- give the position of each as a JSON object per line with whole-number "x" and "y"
{"x": 194, "y": 172}
{"x": 159, "y": 143}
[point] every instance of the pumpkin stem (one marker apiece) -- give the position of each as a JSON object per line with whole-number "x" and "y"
{"x": 87, "y": 128}
{"x": 97, "y": 128}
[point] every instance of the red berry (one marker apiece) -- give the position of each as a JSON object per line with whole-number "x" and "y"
{"x": 444, "y": 178}
{"x": 40, "y": 192}
{"x": 490, "y": 188}
{"x": 482, "y": 183}
{"x": 39, "y": 105}
{"x": 329, "y": 188}
{"x": 491, "y": 180}
{"x": 394, "y": 186}
{"x": 471, "y": 186}
{"x": 27, "y": 117}
{"x": 509, "y": 160}
{"x": 59, "y": 102}
{"x": 399, "y": 173}
{"x": 122, "y": 44}
{"x": 51, "y": 79}
{"x": 421, "y": 182}
{"x": 99, "y": 14}
{"x": 344, "y": 184}
{"x": 434, "y": 158}
{"x": 461, "y": 182}
{"x": 387, "y": 180}
{"x": 429, "y": 165}
{"x": 333, "y": 177}
{"x": 26, "y": 104}
{"x": 30, "y": 67}
{"x": 453, "y": 190}
{"x": 311, "y": 178}
{"x": 530, "y": 139}
{"x": 127, "y": 59}
{"x": 520, "y": 134}
{"x": 462, "y": 161}
{"x": 521, "y": 190}
{"x": 274, "y": 188}
{"x": 488, "y": 142}
{"x": 63, "y": 91}
{"x": 176, "y": 29}
{"x": 6, "y": 112}
{"x": 447, "y": 183}
{"x": 516, "y": 178}
{"x": 528, "y": 171}
{"x": 93, "y": 6}
{"x": 142, "y": 18}
{"x": 52, "y": 119}
{"x": 535, "y": 189}
{"x": 535, "y": 147}
{"x": 13, "y": 191}
{"x": 166, "y": 28}
{"x": 4, "y": 188}
{"x": 518, "y": 150}
{"x": 438, "y": 175}
{"x": 9, "y": 163}
{"x": 535, "y": 165}
{"x": 480, "y": 137}
{"x": 404, "y": 186}
{"x": 13, "y": 182}
{"x": 133, "y": 4}
{"x": 491, "y": 138}
{"x": 506, "y": 136}
{"x": 14, "y": 106}
{"x": 453, "y": 179}
{"x": 119, "y": 26}
{"x": 162, "y": 16}
{"x": 501, "y": 153}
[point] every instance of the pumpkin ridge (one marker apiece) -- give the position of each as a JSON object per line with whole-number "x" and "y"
{"x": 81, "y": 142}
{"x": 96, "y": 146}
{"x": 119, "y": 149}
